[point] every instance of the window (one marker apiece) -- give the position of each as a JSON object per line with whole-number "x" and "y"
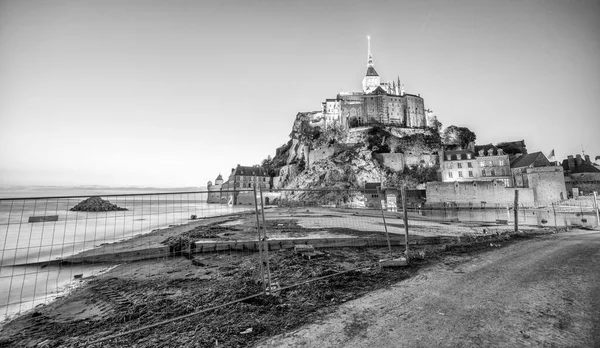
{"x": 482, "y": 164}
{"x": 483, "y": 172}
{"x": 468, "y": 156}
{"x": 470, "y": 165}
{"x": 470, "y": 173}
{"x": 459, "y": 165}
{"x": 450, "y": 174}
{"x": 448, "y": 165}
{"x": 501, "y": 162}
{"x": 493, "y": 172}
{"x": 460, "y": 174}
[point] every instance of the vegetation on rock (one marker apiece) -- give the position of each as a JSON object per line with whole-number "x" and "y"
{"x": 454, "y": 135}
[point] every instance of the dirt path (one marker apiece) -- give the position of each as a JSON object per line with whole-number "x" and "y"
{"x": 540, "y": 292}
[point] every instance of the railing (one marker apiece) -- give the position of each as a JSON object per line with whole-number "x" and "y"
{"x": 112, "y": 275}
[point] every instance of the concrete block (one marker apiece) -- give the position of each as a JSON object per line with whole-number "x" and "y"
{"x": 398, "y": 262}
{"x": 43, "y": 218}
{"x": 304, "y": 248}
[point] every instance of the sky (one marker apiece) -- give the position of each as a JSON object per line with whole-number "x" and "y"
{"x": 172, "y": 93}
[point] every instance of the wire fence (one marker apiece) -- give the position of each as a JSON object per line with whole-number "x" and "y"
{"x": 106, "y": 276}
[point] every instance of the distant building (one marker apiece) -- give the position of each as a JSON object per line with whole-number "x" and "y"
{"x": 378, "y": 103}
{"x": 214, "y": 191}
{"x": 494, "y": 164}
{"x": 477, "y": 163}
{"x": 513, "y": 148}
{"x": 581, "y": 174}
{"x": 536, "y": 172}
{"x": 373, "y": 195}
{"x": 244, "y": 179}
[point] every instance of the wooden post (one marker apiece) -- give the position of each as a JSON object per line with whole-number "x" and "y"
{"x": 265, "y": 243}
{"x": 403, "y": 191}
{"x": 555, "y": 222}
{"x": 516, "y": 210}
{"x": 596, "y": 206}
{"x": 387, "y": 236}
{"x": 262, "y": 270}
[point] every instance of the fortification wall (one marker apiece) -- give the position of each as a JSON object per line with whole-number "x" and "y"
{"x": 427, "y": 160}
{"x": 548, "y": 184}
{"x": 247, "y": 198}
{"x": 585, "y": 182}
{"x": 393, "y": 161}
{"x": 476, "y": 192}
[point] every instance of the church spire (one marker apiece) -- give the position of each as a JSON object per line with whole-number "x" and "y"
{"x": 369, "y": 55}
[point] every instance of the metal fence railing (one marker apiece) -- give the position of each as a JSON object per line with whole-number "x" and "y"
{"x": 204, "y": 271}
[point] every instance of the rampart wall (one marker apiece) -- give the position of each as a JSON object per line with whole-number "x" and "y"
{"x": 493, "y": 193}
{"x": 548, "y": 184}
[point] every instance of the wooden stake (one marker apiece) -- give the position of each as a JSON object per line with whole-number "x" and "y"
{"x": 265, "y": 243}
{"x": 403, "y": 192}
{"x": 262, "y": 270}
{"x": 555, "y": 222}
{"x": 387, "y": 236}
{"x": 516, "y": 210}
{"x": 596, "y": 206}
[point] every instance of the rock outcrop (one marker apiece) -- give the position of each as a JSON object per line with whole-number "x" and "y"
{"x": 96, "y": 204}
{"x": 335, "y": 158}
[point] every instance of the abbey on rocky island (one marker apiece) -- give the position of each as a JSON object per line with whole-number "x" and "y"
{"x": 378, "y": 102}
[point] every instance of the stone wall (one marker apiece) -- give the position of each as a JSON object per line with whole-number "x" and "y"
{"x": 393, "y": 161}
{"x": 548, "y": 184}
{"x": 493, "y": 193}
{"x": 415, "y": 160}
{"x": 320, "y": 153}
{"x": 585, "y": 182}
{"x": 247, "y": 198}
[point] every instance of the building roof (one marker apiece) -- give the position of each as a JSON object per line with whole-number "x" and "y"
{"x": 486, "y": 148}
{"x": 526, "y": 160}
{"x": 371, "y": 71}
{"x": 372, "y": 186}
{"x": 519, "y": 145}
{"x": 219, "y": 177}
{"x": 250, "y": 171}
{"x": 582, "y": 168}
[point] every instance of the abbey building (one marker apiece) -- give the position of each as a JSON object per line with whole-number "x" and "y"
{"x": 378, "y": 102}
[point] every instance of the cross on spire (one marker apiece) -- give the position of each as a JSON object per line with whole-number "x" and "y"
{"x": 369, "y": 55}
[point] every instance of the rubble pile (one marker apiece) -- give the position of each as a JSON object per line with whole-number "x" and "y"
{"x": 96, "y": 204}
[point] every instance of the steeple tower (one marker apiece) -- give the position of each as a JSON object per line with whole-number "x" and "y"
{"x": 371, "y": 79}
{"x": 369, "y": 55}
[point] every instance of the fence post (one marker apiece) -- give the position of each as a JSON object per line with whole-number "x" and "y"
{"x": 262, "y": 270}
{"x": 265, "y": 243}
{"x": 555, "y": 222}
{"x": 516, "y": 210}
{"x": 596, "y": 207}
{"x": 403, "y": 191}
{"x": 387, "y": 236}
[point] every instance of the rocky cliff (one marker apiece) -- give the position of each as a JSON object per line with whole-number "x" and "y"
{"x": 337, "y": 158}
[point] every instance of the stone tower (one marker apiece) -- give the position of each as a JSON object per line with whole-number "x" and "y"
{"x": 371, "y": 79}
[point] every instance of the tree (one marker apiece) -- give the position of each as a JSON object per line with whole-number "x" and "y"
{"x": 458, "y": 135}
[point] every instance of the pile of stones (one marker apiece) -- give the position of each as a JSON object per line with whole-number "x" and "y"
{"x": 96, "y": 204}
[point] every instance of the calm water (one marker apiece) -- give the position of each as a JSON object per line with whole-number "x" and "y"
{"x": 23, "y": 287}
{"x": 528, "y": 217}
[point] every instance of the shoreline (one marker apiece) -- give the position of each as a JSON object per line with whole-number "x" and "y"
{"x": 149, "y": 245}
{"x": 106, "y": 302}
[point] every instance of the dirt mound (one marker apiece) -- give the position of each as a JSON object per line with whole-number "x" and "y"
{"x": 96, "y": 204}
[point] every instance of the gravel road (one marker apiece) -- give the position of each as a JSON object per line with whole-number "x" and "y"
{"x": 542, "y": 292}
